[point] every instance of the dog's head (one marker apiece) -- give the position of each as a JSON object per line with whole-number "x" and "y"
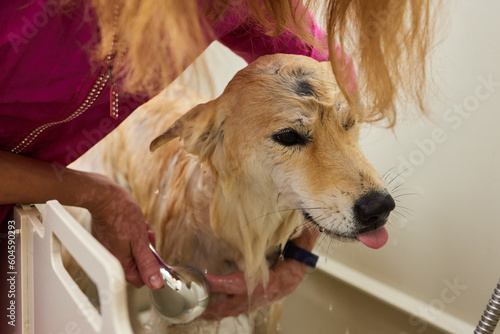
{"x": 283, "y": 144}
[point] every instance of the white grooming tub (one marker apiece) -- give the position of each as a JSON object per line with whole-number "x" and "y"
{"x": 53, "y": 303}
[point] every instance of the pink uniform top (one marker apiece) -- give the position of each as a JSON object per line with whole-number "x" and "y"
{"x": 54, "y": 105}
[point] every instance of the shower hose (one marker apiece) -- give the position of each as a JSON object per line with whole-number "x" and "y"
{"x": 491, "y": 314}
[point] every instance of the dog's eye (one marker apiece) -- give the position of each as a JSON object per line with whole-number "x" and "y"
{"x": 289, "y": 137}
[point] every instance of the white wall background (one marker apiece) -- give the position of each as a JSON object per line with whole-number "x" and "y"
{"x": 453, "y": 232}
{"x": 444, "y": 246}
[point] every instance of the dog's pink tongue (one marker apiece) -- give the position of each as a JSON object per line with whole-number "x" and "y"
{"x": 374, "y": 239}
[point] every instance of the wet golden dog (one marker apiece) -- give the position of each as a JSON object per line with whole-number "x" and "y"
{"x": 276, "y": 152}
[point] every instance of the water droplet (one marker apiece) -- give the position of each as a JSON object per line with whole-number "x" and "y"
{"x": 157, "y": 191}
{"x": 322, "y": 229}
{"x": 278, "y": 327}
{"x": 330, "y": 308}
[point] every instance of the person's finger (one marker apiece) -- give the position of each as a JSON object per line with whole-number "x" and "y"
{"x": 131, "y": 274}
{"x": 235, "y": 305}
{"x": 148, "y": 267}
{"x": 287, "y": 273}
{"x": 285, "y": 276}
{"x": 232, "y": 306}
{"x": 232, "y": 284}
{"x": 307, "y": 239}
{"x": 151, "y": 238}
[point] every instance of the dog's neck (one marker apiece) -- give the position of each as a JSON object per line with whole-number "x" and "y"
{"x": 219, "y": 223}
{"x": 246, "y": 214}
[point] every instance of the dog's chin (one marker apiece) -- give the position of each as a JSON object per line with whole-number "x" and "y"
{"x": 374, "y": 236}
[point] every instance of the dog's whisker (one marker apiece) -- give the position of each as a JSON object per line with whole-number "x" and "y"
{"x": 393, "y": 220}
{"x": 272, "y": 213}
{"x": 325, "y": 235}
{"x": 397, "y": 187}
{"x": 304, "y": 225}
{"x": 314, "y": 207}
{"x": 284, "y": 210}
{"x": 406, "y": 209}
{"x": 400, "y": 220}
{"x": 331, "y": 241}
{"x": 400, "y": 196}
{"x": 321, "y": 239}
{"x": 387, "y": 173}
{"x": 398, "y": 175}
{"x": 320, "y": 219}
{"x": 316, "y": 200}
{"x": 399, "y": 214}
{"x": 405, "y": 194}
{"x": 396, "y": 213}
{"x": 308, "y": 224}
{"x": 328, "y": 225}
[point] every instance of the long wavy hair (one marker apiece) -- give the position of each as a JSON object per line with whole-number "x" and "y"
{"x": 388, "y": 42}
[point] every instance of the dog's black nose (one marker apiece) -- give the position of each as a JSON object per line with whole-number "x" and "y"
{"x": 373, "y": 207}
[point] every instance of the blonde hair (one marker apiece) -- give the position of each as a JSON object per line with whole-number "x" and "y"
{"x": 387, "y": 41}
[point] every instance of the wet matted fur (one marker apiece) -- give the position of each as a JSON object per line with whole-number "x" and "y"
{"x": 276, "y": 152}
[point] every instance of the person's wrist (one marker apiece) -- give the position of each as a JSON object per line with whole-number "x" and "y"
{"x": 92, "y": 191}
{"x": 307, "y": 239}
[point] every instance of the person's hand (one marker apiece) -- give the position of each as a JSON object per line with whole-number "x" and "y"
{"x": 284, "y": 277}
{"x": 119, "y": 224}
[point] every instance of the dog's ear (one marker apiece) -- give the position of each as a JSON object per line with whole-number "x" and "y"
{"x": 197, "y": 128}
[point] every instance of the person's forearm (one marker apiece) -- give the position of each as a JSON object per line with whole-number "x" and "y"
{"x": 26, "y": 180}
